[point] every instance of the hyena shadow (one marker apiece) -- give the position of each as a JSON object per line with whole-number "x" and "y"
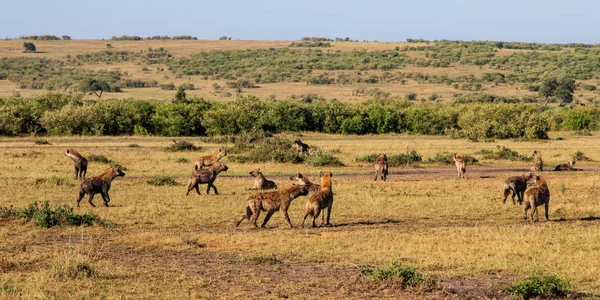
{"x": 366, "y": 223}
{"x": 591, "y": 218}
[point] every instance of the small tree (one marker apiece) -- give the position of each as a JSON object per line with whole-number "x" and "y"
{"x": 29, "y": 47}
{"x": 66, "y": 37}
{"x": 93, "y": 86}
{"x": 564, "y": 90}
{"x": 180, "y": 96}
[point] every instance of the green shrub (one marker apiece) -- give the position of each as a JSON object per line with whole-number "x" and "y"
{"x": 46, "y": 216}
{"x": 42, "y": 142}
{"x": 98, "y": 158}
{"x": 581, "y": 156}
{"x": 183, "y": 160}
{"x": 55, "y": 181}
{"x": 550, "y": 286}
{"x": 162, "y": 180}
{"x": 133, "y": 146}
{"x": 394, "y": 160}
{"x": 321, "y": 158}
{"x": 182, "y": 145}
{"x": 275, "y": 149}
{"x": 407, "y": 275}
{"x": 503, "y": 153}
{"x": 446, "y": 158}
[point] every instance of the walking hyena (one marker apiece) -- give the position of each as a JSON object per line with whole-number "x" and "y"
{"x": 260, "y": 182}
{"x": 320, "y": 200}
{"x": 206, "y": 175}
{"x": 99, "y": 184}
{"x": 567, "y": 166}
{"x": 536, "y": 196}
{"x": 461, "y": 165}
{"x": 537, "y": 157}
{"x": 301, "y": 147}
{"x": 209, "y": 160}
{"x": 271, "y": 202}
{"x": 517, "y": 185}
{"x": 301, "y": 179}
{"x": 381, "y": 166}
{"x": 79, "y": 163}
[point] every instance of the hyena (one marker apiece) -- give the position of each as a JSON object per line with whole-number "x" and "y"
{"x": 567, "y": 166}
{"x": 461, "y": 165}
{"x": 99, "y": 184}
{"x": 79, "y": 163}
{"x": 301, "y": 179}
{"x": 517, "y": 185}
{"x": 537, "y": 157}
{"x": 271, "y": 202}
{"x": 381, "y": 166}
{"x": 301, "y": 147}
{"x": 206, "y": 175}
{"x": 536, "y": 196}
{"x": 320, "y": 200}
{"x": 260, "y": 182}
{"x": 209, "y": 160}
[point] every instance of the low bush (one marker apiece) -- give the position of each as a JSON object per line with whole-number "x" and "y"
{"x": 46, "y": 216}
{"x": 133, "y": 146}
{"x": 42, "y": 142}
{"x": 98, "y": 158}
{"x": 550, "y": 286}
{"x": 394, "y": 160}
{"x": 406, "y": 275}
{"x": 275, "y": 149}
{"x": 162, "y": 181}
{"x": 503, "y": 153}
{"x": 446, "y": 158}
{"x": 581, "y": 156}
{"x": 182, "y": 145}
{"x": 322, "y": 158}
{"x": 183, "y": 160}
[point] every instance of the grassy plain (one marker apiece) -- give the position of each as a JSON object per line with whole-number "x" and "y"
{"x": 166, "y": 245}
{"x": 60, "y": 50}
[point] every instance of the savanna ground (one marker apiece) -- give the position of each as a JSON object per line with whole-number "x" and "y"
{"x": 205, "y": 87}
{"x": 166, "y": 245}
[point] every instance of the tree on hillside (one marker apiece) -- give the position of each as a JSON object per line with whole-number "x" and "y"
{"x": 29, "y": 47}
{"x": 93, "y": 86}
{"x": 180, "y": 96}
{"x": 562, "y": 89}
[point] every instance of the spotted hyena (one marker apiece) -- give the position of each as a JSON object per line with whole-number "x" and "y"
{"x": 206, "y": 175}
{"x": 320, "y": 201}
{"x": 536, "y": 196}
{"x": 537, "y": 157}
{"x": 260, "y": 182}
{"x": 301, "y": 147}
{"x": 99, "y": 184}
{"x": 568, "y": 166}
{"x": 301, "y": 179}
{"x": 271, "y": 202}
{"x": 79, "y": 163}
{"x": 461, "y": 165}
{"x": 381, "y": 166}
{"x": 517, "y": 186}
{"x": 209, "y": 160}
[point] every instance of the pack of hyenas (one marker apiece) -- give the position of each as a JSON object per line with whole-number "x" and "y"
{"x": 207, "y": 168}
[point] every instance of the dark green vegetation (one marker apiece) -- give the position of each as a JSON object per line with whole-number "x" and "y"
{"x": 162, "y": 180}
{"x": 394, "y": 160}
{"x": 406, "y": 275}
{"x": 44, "y": 215}
{"x": 66, "y": 114}
{"x": 550, "y": 286}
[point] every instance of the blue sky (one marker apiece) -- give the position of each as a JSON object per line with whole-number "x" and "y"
{"x": 549, "y": 21}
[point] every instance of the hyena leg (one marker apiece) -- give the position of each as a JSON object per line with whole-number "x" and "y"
{"x": 287, "y": 218}
{"x": 526, "y": 209}
{"x": 90, "y": 198}
{"x": 546, "y": 211}
{"x": 267, "y": 217}
{"x": 329, "y": 212}
{"x": 376, "y": 175}
{"x": 316, "y": 215}
{"x": 305, "y": 215}
{"x": 214, "y": 188}
{"x": 76, "y": 172}
{"x": 255, "y": 217}
{"x": 534, "y": 214}
{"x": 105, "y": 197}
{"x": 81, "y": 194}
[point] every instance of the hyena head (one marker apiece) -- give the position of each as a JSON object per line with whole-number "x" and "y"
{"x": 303, "y": 189}
{"x": 298, "y": 141}
{"x": 299, "y": 179}
{"x": 222, "y": 153}
{"x": 325, "y": 179}
{"x": 255, "y": 172}
{"x": 72, "y": 154}
{"x": 117, "y": 172}
{"x": 572, "y": 161}
{"x": 382, "y": 157}
{"x": 533, "y": 180}
{"x": 225, "y": 167}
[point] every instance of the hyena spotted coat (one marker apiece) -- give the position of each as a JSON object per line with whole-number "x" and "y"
{"x": 79, "y": 163}
{"x": 99, "y": 184}
{"x": 260, "y": 182}
{"x": 271, "y": 202}
{"x": 209, "y": 160}
{"x": 320, "y": 200}
{"x": 536, "y": 196}
{"x": 568, "y": 166}
{"x": 301, "y": 147}
{"x": 206, "y": 175}
{"x": 381, "y": 166}
{"x": 461, "y": 165}
{"x": 301, "y": 179}
{"x": 517, "y": 186}
{"x": 537, "y": 157}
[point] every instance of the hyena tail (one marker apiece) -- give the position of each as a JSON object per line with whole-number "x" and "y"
{"x": 244, "y": 216}
{"x": 506, "y": 192}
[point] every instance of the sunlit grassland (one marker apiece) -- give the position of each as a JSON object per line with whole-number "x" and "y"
{"x": 422, "y": 216}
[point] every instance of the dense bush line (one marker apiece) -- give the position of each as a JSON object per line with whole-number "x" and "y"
{"x": 66, "y": 114}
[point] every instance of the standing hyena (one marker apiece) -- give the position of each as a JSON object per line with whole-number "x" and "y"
{"x": 567, "y": 166}
{"x": 206, "y": 175}
{"x": 517, "y": 185}
{"x": 536, "y": 196}
{"x": 320, "y": 200}
{"x": 381, "y": 166}
{"x": 209, "y": 160}
{"x": 79, "y": 163}
{"x": 301, "y": 147}
{"x": 537, "y": 157}
{"x": 99, "y": 184}
{"x": 260, "y": 182}
{"x": 461, "y": 165}
{"x": 271, "y": 202}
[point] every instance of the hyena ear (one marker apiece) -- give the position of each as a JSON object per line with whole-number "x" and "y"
{"x": 298, "y": 174}
{"x": 196, "y": 167}
{"x": 67, "y": 150}
{"x": 330, "y": 174}
{"x": 321, "y": 173}
{"x": 258, "y": 170}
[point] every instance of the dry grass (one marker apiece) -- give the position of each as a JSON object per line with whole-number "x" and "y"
{"x": 421, "y": 216}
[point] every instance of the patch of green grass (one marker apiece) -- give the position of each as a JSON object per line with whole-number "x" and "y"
{"x": 55, "y": 181}
{"x": 503, "y": 153}
{"x": 183, "y": 160}
{"x": 42, "y": 142}
{"x": 98, "y": 158}
{"x": 45, "y": 216}
{"x": 321, "y": 158}
{"x": 394, "y": 160}
{"x": 407, "y": 275}
{"x": 133, "y": 146}
{"x": 257, "y": 260}
{"x": 192, "y": 241}
{"x": 182, "y": 145}
{"x": 162, "y": 181}
{"x": 550, "y": 286}
{"x": 581, "y": 156}
{"x": 445, "y": 158}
